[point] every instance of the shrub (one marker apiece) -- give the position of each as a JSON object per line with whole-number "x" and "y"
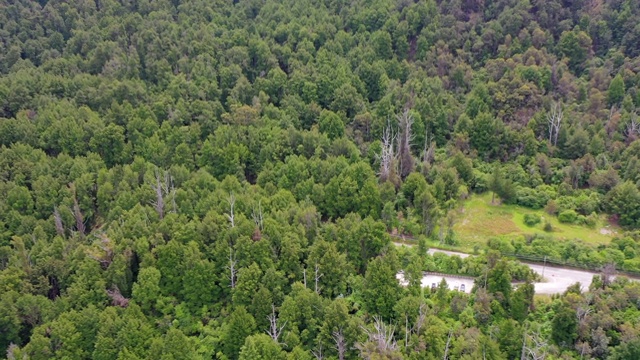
{"x": 551, "y": 208}
{"x": 591, "y": 220}
{"x": 568, "y": 216}
{"x": 532, "y": 219}
{"x": 548, "y": 227}
{"x": 581, "y": 220}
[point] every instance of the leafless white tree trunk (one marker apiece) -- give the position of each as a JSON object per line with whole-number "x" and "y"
{"x": 428, "y": 153}
{"x": 554, "y": 119}
{"x": 317, "y": 277}
{"x": 304, "y": 277}
{"x": 274, "y": 330}
{"x": 387, "y": 155}
{"x": 77, "y": 213}
{"x": 406, "y": 331}
{"x": 607, "y": 274}
{"x": 405, "y": 121}
{"x": 446, "y": 347}
{"x": 382, "y": 336}
{"x": 258, "y": 217}
{"x": 57, "y": 219}
{"x": 341, "y": 344}
{"x": 534, "y": 347}
{"x": 633, "y": 128}
{"x": 318, "y": 354}
{"x": 162, "y": 187}
{"x": 231, "y": 215}
{"x": 422, "y": 316}
{"x": 233, "y": 270}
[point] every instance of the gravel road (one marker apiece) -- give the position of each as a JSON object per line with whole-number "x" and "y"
{"x": 556, "y": 280}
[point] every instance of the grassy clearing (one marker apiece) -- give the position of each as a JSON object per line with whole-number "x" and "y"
{"x": 478, "y": 219}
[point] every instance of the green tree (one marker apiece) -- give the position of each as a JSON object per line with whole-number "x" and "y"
{"x": 146, "y": 289}
{"x": 381, "y": 288}
{"x": 238, "y": 327}
{"x": 261, "y": 347}
{"x": 615, "y": 94}
{"x": 174, "y": 345}
{"x": 575, "y": 46}
{"x": 624, "y": 201}
{"x": 302, "y": 311}
{"x": 564, "y": 325}
{"x": 331, "y": 124}
{"x": 485, "y": 135}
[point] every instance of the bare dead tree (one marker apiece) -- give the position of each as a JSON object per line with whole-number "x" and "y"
{"x": 523, "y": 352}
{"x": 317, "y": 277}
{"x": 406, "y": 330}
{"x": 584, "y": 349}
{"x": 11, "y": 350}
{"x": 607, "y": 273}
{"x": 632, "y": 130}
{"x": 422, "y": 316}
{"x": 231, "y": 215}
{"x": 304, "y": 276}
{"x": 57, "y": 220}
{"x": 534, "y": 347}
{"x": 317, "y": 353}
{"x": 381, "y": 337}
{"x": 554, "y": 119}
{"x": 162, "y": 187}
{"x": 341, "y": 343}
{"x": 405, "y": 121}
{"x": 105, "y": 253}
{"x": 233, "y": 270}
{"x": 429, "y": 151}
{"x": 582, "y": 311}
{"x": 116, "y": 297}
{"x": 574, "y": 173}
{"x": 446, "y": 347}
{"x": 387, "y": 155}
{"x": 258, "y": 217}
{"x": 274, "y": 330}
{"x": 76, "y": 212}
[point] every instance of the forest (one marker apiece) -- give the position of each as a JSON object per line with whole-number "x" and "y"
{"x": 216, "y": 179}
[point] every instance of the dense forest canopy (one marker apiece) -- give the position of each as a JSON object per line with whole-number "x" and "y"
{"x": 223, "y": 179}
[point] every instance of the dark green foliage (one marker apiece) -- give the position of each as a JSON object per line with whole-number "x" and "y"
{"x": 381, "y": 289}
{"x": 624, "y": 201}
{"x": 331, "y": 124}
{"x": 175, "y": 173}
{"x": 501, "y": 186}
{"x": 239, "y": 326}
{"x": 532, "y": 219}
{"x": 564, "y": 325}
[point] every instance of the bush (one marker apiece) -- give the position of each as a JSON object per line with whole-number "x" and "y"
{"x": 591, "y": 220}
{"x": 581, "y": 220}
{"x": 548, "y": 227}
{"x": 535, "y": 198}
{"x": 532, "y": 219}
{"x": 568, "y": 216}
{"x": 551, "y": 208}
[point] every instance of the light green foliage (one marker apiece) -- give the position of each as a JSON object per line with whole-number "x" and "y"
{"x": 261, "y": 347}
{"x": 331, "y": 124}
{"x": 615, "y": 94}
{"x": 531, "y": 219}
{"x": 238, "y": 327}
